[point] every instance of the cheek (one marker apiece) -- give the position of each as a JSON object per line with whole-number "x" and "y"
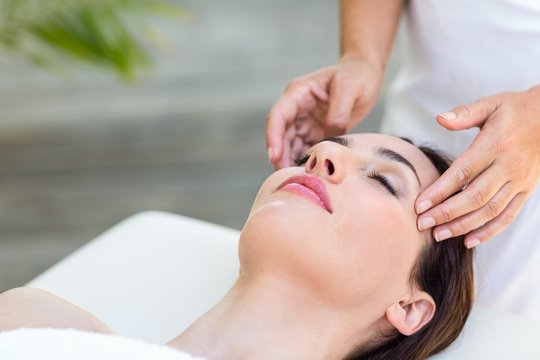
{"x": 378, "y": 246}
{"x": 371, "y": 220}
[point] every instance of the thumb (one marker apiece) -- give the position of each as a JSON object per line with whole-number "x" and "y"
{"x": 468, "y": 116}
{"x": 342, "y": 98}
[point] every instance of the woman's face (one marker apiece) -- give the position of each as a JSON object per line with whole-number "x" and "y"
{"x": 343, "y": 223}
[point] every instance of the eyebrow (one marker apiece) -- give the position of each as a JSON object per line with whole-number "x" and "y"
{"x": 381, "y": 152}
{"x": 394, "y": 156}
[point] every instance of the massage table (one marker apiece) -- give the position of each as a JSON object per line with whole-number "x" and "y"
{"x": 153, "y": 274}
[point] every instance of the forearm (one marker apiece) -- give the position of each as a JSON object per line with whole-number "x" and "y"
{"x": 368, "y": 29}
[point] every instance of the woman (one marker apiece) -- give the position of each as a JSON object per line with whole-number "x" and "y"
{"x": 323, "y": 276}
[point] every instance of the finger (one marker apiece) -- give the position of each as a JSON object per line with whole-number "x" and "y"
{"x": 343, "y": 95}
{"x": 296, "y": 148}
{"x": 297, "y": 101}
{"x": 474, "y": 220}
{"x": 309, "y": 129}
{"x": 462, "y": 172}
{"x": 314, "y": 118}
{"x": 320, "y": 90}
{"x": 286, "y": 158}
{"x": 498, "y": 224}
{"x": 302, "y": 127}
{"x": 318, "y": 82}
{"x": 469, "y": 115}
{"x": 277, "y": 122}
{"x": 319, "y": 130}
{"x": 315, "y": 134}
{"x": 476, "y": 195}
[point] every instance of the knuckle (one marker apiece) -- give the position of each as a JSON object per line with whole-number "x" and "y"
{"x": 290, "y": 86}
{"x": 467, "y": 110}
{"x": 439, "y": 196}
{"x": 445, "y": 215}
{"x": 342, "y": 78}
{"x": 516, "y": 163}
{"x": 499, "y": 147}
{"x": 507, "y": 219}
{"x": 493, "y": 209}
{"x": 481, "y": 197}
{"x": 348, "y": 84}
{"x": 337, "y": 121}
{"x": 459, "y": 228}
{"x": 295, "y": 84}
{"x": 463, "y": 175}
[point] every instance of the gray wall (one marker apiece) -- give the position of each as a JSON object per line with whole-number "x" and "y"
{"x": 80, "y": 152}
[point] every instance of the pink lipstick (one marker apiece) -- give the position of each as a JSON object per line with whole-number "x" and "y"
{"x": 310, "y": 188}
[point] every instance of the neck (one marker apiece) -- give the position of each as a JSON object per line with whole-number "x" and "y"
{"x": 266, "y": 318}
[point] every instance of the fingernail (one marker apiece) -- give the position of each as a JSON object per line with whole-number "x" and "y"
{"x": 443, "y": 235}
{"x": 472, "y": 243}
{"x": 423, "y": 206}
{"x": 426, "y": 223}
{"x": 270, "y": 154}
{"x": 449, "y": 115}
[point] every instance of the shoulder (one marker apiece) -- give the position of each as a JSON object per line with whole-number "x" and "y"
{"x": 30, "y": 307}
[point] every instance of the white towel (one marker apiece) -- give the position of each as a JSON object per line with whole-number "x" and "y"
{"x": 69, "y": 344}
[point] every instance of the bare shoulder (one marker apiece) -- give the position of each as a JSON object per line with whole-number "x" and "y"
{"x": 29, "y": 307}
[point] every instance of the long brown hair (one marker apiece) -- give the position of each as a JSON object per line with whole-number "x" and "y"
{"x": 445, "y": 271}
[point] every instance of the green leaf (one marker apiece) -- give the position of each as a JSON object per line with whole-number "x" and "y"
{"x": 104, "y": 33}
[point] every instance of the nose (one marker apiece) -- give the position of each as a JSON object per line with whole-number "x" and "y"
{"x": 327, "y": 161}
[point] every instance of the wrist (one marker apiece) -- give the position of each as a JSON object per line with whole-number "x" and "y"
{"x": 360, "y": 57}
{"x": 376, "y": 68}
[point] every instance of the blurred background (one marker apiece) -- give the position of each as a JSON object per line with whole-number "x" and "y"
{"x": 93, "y": 137}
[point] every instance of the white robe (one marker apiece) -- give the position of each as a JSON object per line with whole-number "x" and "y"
{"x": 457, "y": 51}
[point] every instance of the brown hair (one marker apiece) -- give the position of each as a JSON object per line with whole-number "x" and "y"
{"x": 444, "y": 270}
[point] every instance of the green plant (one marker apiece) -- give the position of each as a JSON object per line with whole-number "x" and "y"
{"x": 106, "y": 33}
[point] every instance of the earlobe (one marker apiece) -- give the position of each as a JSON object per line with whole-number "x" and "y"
{"x": 408, "y": 317}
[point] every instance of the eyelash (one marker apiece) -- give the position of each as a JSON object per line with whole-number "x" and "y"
{"x": 302, "y": 159}
{"x": 384, "y": 181}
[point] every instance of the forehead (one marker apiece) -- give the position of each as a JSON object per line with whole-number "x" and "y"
{"x": 368, "y": 142}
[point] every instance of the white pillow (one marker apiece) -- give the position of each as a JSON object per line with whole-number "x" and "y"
{"x": 134, "y": 276}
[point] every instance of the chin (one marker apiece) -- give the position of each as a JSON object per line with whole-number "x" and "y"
{"x": 280, "y": 217}
{"x": 280, "y": 234}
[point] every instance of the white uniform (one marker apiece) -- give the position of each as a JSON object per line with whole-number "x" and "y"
{"x": 457, "y": 51}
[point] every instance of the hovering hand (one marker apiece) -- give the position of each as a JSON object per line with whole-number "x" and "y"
{"x": 498, "y": 171}
{"x": 327, "y": 102}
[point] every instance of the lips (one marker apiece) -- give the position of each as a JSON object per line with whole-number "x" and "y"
{"x": 310, "y": 188}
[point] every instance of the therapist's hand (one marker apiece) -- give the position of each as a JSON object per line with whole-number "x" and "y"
{"x": 327, "y": 102}
{"x": 498, "y": 171}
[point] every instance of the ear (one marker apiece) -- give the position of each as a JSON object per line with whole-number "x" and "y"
{"x": 409, "y": 316}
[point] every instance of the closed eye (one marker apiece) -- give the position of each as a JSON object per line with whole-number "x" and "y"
{"x": 301, "y": 160}
{"x": 384, "y": 182}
